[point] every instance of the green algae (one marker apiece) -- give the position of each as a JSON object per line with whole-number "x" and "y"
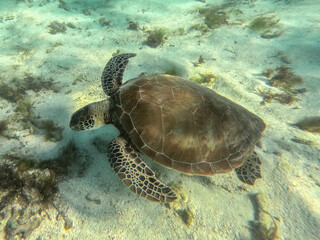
{"x": 214, "y": 17}
{"x": 283, "y": 97}
{"x": 203, "y": 28}
{"x": 267, "y": 27}
{"x": 286, "y": 81}
{"x": 53, "y": 47}
{"x": 52, "y": 131}
{"x": 205, "y": 78}
{"x": 173, "y": 70}
{"x": 157, "y": 37}
{"x": 261, "y": 227}
{"x": 133, "y": 25}
{"x": 27, "y": 118}
{"x": 63, "y": 5}
{"x": 19, "y": 171}
{"x": 263, "y": 23}
{"x": 28, "y": 187}
{"x": 104, "y": 23}
{"x": 57, "y": 27}
{"x": 16, "y": 88}
{"x": 3, "y": 126}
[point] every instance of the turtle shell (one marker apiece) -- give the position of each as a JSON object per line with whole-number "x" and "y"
{"x": 185, "y": 126}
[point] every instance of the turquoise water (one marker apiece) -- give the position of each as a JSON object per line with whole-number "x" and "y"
{"x": 56, "y": 183}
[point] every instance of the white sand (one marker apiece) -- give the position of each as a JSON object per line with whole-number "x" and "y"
{"x": 222, "y": 209}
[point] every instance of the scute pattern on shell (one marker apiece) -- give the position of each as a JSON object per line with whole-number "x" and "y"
{"x": 185, "y": 126}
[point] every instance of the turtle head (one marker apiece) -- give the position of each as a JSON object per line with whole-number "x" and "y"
{"x": 91, "y": 116}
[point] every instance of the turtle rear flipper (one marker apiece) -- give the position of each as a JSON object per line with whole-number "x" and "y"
{"x": 250, "y": 170}
{"x": 135, "y": 174}
{"x": 112, "y": 74}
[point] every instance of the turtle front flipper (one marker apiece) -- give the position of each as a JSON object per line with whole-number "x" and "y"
{"x": 112, "y": 74}
{"x": 135, "y": 174}
{"x": 250, "y": 170}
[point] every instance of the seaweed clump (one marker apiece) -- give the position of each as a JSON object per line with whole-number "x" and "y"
{"x": 283, "y": 98}
{"x": 181, "y": 207}
{"x": 17, "y": 88}
{"x": 3, "y": 126}
{"x": 24, "y": 109}
{"x": 57, "y": 27}
{"x": 63, "y": 5}
{"x": 214, "y": 19}
{"x": 203, "y": 28}
{"x": 104, "y": 23}
{"x": 173, "y": 70}
{"x": 132, "y": 25}
{"x": 53, "y": 47}
{"x": 157, "y": 37}
{"x": 52, "y": 131}
{"x": 263, "y": 23}
{"x": 261, "y": 227}
{"x": 16, "y": 92}
{"x": 200, "y": 61}
{"x": 21, "y": 176}
{"x": 25, "y": 114}
{"x": 215, "y": 16}
{"x": 263, "y": 231}
{"x": 310, "y": 124}
{"x": 205, "y": 78}
{"x": 285, "y": 80}
{"x": 266, "y": 26}
{"x": 28, "y": 187}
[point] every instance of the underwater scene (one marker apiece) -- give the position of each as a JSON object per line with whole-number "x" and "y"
{"x": 180, "y": 119}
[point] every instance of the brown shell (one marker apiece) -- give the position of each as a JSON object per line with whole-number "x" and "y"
{"x": 185, "y": 126}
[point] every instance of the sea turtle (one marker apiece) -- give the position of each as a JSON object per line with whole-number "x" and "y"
{"x": 178, "y": 123}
